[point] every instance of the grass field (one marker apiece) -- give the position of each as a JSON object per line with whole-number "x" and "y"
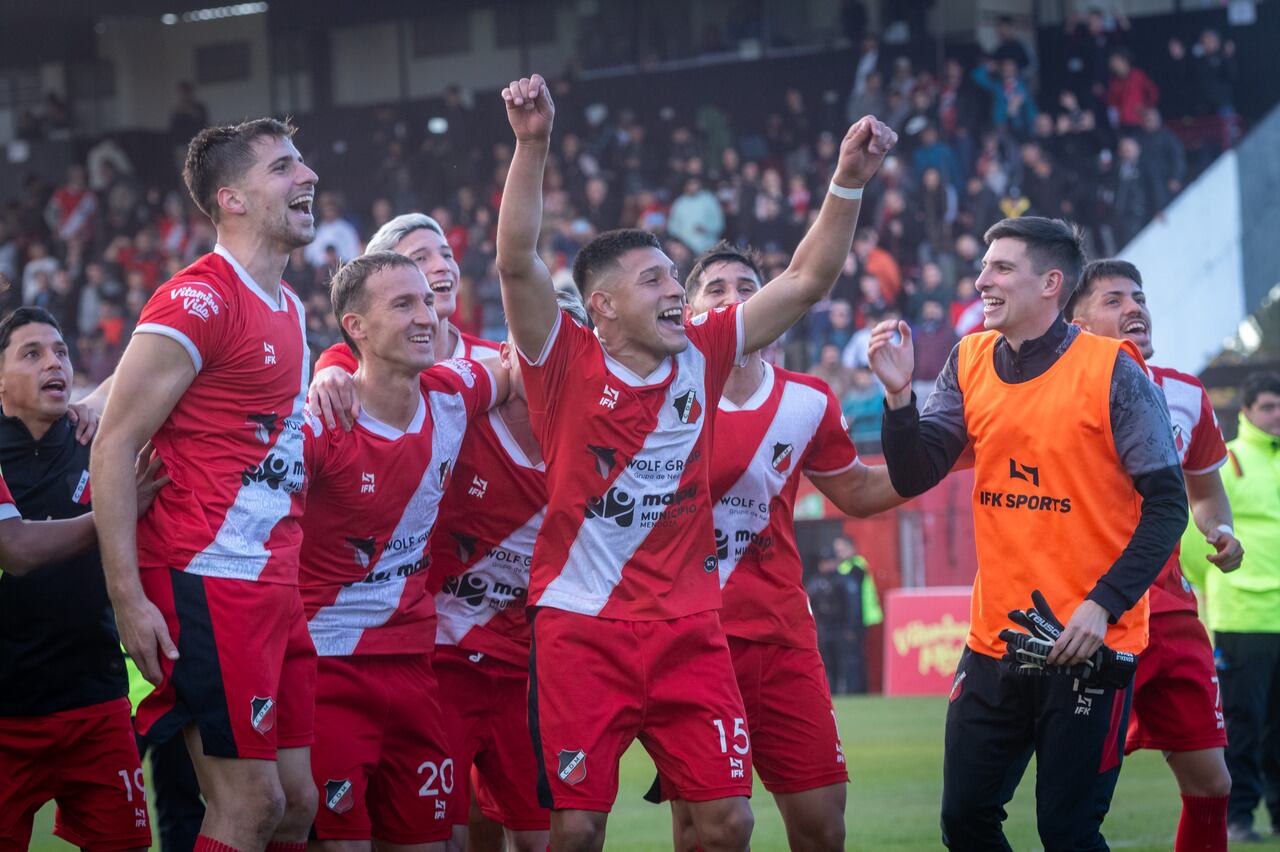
{"x": 894, "y": 747}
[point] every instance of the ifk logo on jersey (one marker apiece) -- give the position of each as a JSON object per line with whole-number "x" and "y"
{"x": 367, "y": 483}
{"x": 262, "y": 714}
{"x": 573, "y": 766}
{"x": 337, "y": 795}
{"x": 782, "y": 457}
{"x": 478, "y": 487}
{"x": 269, "y": 357}
{"x": 1017, "y": 470}
{"x": 688, "y": 409}
{"x": 609, "y": 399}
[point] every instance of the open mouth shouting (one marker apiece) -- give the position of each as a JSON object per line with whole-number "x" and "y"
{"x": 672, "y": 319}
{"x": 301, "y": 205}
{"x": 55, "y": 386}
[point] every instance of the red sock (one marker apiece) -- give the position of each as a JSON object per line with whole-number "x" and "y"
{"x": 1203, "y": 827}
{"x": 208, "y": 844}
{"x": 281, "y": 846}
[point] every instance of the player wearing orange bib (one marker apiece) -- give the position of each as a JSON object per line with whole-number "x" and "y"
{"x": 1078, "y": 494}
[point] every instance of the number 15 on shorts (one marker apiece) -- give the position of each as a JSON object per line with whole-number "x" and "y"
{"x": 737, "y": 769}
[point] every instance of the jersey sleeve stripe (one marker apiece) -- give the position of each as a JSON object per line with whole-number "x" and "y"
{"x": 1210, "y": 469}
{"x": 173, "y": 334}
{"x": 8, "y": 510}
{"x": 821, "y": 473}
{"x": 741, "y": 330}
{"x": 493, "y": 384}
{"x": 546, "y": 347}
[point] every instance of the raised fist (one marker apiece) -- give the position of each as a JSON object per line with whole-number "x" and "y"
{"x": 529, "y": 108}
{"x": 864, "y": 148}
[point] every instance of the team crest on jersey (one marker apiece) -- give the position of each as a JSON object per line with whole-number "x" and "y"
{"x": 782, "y": 457}
{"x": 688, "y": 409}
{"x": 957, "y": 686}
{"x": 264, "y": 426}
{"x": 445, "y": 467}
{"x": 722, "y": 544}
{"x": 606, "y": 459}
{"x": 573, "y": 766}
{"x": 1177, "y": 437}
{"x": 80, "y": 493}
{"x": 337, "y": 795}
{"x": 467, "y": 588}
{"x": 363, "y": 549}
{"x": 262, "y": 714}
{"x": 464, "y": 545}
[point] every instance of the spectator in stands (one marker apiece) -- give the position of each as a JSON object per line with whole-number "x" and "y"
{"x": 839, "y": 328}
{"x": 827, "y": 367}
{"x": 934, "y": 213}
{"x": 1130, "y": 93}
{"x": 333, "y": 231}
{"x": 1089, "y": 46}
{"x": 71, "y": 209}
{"x": 869, "y": 99}
{"x": 1046, "y": 189}
{"x": 932, "y": 286}
{"x": 189, "y": 115}
{"x": 1078, "y": 137}
{"x": 1012, "y": 105}
{"x": 878, "y": 263}
{"x": 933, "y": 153}
{"x": 1216, "y": 72}
{"x": 1138, "y": 195}
{"x": 932, "y": 338}
{"x": 966, "y": 307}
{"x": 8, "y": 253}
{"x": 832, "y": 599}
{"x": 1009, "y": 46}
{"x": 600, "y": 205}
{"x": 1163, "y": 152}
{"x": 866, "y": 610}
{"x": 862, "y": 405}
{"x": 39, "y": 263}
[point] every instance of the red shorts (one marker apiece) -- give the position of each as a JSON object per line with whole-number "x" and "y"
{"x": 486, "y": 711}
{"x": 246, "y": 673}
{"x": 86, "y": 760}
{"x": 794, "y": 741}
{"x": 599, "y": 683}
{"x": 382, "y": 759}
{"x": 1177, "y": 703}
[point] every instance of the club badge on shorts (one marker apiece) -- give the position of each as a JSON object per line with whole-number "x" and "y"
{"x": 337, "y": 795}
{"x": 262, "y": 714}
{"x": 573, "y": 766}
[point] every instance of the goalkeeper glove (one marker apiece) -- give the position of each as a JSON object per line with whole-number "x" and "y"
{"x": 1028, "y": 652}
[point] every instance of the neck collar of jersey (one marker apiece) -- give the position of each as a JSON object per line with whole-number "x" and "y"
{"x": 632, "y": 379}
{"x": 391, "y": 433}
{"x": 756, "y": 399}
{"x": 278, "y": 304}
{"x": 509, "y": 442}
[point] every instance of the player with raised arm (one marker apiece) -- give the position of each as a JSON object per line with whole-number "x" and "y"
{"x": 420, "y": 238}
{"x": 626, "y": 640}
{"x": 1177, "y": 706}
{"x": 1078, "y": 500}
{"x": 217, "y": 371}
{"x": 382, "y": 761}
{"x": 772, "y": 424}
{"x": 480, "y": 565}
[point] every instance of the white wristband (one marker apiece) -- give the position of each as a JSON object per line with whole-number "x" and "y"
{"x": 1225, "y": 528}
{"x": 845, "y": 192}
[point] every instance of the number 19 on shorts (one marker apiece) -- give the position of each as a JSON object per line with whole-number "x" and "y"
{"x": 737, "y": 768}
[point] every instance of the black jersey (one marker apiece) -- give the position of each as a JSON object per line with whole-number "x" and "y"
{"x": 59, "y": 648}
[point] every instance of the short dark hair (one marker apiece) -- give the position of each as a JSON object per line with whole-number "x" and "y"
{"x": 347, "y": 288}
{"x": 1051, "y": 243}
{"x": 1094, "y": 271}
{"x": 722, "y": 252}
{"x": 25, "y": 316}
{"x": 603, "y": 252}
{"x": 1259, "y": 383}
{"x": 218, "y": 156}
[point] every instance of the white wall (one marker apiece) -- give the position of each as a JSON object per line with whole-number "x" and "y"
{"x": 150, "y": 59}
{"x": 1192, "y": 271}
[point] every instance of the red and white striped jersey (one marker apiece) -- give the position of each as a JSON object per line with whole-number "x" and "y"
{"x": 372, "y": 501}
{"x": 468, "y": 346}
{"x": 792, "y": 423}
{"x": 1198, "y": 439}
{"x": 628, "y": 532}
{"x": 481, "y": 555}
{"x": 233, "y": 444}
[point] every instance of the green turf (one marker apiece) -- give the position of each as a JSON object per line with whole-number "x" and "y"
{"x": 894, "y": 748}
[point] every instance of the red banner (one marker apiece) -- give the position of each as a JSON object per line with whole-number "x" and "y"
{"x": 924, "y": 634}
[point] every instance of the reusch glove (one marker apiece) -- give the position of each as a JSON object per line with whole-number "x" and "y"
{"x": 1039, "y": 620}
{"x": 1028, "y": 652}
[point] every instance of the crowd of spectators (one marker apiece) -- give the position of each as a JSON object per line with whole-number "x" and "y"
{"x": 980, "y": 141}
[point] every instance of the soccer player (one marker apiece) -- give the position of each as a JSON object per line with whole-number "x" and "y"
{"x": 420, "y": 238}
{"x": 626, "y": 640}
{"x": 217, "y": 371}
{"x": 770, "y": 425}
{"x": 65, "y": 730}
{"x": 1177, "y": 704}
{"x": 1078, "y": 493}
{"x": 480, "y": 565}
{"x": 382, "y": 762}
